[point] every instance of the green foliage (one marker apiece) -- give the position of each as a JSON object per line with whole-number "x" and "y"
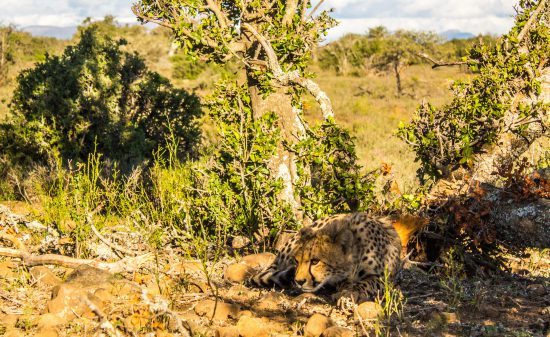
{"x": 219, "y": 34}
{"x": 330, "y": 180}
{"x": 96, "y": 96}
{"x": 185, "y": 67}
{"x": 448, "y": 137}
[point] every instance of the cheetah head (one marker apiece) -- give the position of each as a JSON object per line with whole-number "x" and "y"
{"x": 323, "y": 260}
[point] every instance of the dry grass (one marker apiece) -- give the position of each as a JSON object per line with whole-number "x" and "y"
{"x": 369, "y": 107}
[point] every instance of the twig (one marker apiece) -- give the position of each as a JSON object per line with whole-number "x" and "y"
{"x": 18, "y": 244}
{"x": 437, "y": 64}
{"x": 105, "y": 325}
{"x": 315, "y": 9}
{"x": 128, "y": 264}
{"x": 111, "y": 245}
{"x": 161, "y": 307}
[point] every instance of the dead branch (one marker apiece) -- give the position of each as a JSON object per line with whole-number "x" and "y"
{"x": 18, "y": 244}
{"x": 161, "y": 306}
{"x": 532, "y": 19}
{"x": 437, "y": 64}
{"x": 290, "y": 10}
{"x": 128, "y": 264}
{"x": 315, "y": 9}
{"x": 293, "y": 76}
{"x": 104, "y": 323}
{"x": 111, "y": 245}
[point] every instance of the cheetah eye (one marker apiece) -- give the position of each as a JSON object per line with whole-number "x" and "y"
{"x": 315, "y": 261}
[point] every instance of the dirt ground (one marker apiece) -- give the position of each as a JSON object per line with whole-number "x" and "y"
{"x": 170, "y": 295}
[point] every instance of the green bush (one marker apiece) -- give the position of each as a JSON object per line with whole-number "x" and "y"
{"x": 96, "y": 97}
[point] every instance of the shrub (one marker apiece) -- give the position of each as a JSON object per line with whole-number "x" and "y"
{"x": 96, "y": 97}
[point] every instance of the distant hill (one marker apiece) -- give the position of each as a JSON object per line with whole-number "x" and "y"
{"x": 51, "y": 31}
{"x": 454, "y": 34}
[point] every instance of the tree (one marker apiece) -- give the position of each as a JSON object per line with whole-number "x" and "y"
{"x": 401, "y": 49}
{"x": 96, "y": 97}
{"x": 5, "y": 52}
{"x": 493, "y": 119}
{"x": 272, "y": 41}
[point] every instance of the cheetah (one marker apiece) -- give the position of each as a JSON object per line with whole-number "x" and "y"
{"x": 344, "y": 255}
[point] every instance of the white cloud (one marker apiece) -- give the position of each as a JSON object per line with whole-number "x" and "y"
{"x": 474, "y": 16}
{"x": 62, "y": 12}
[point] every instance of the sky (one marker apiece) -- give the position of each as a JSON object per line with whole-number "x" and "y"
{"x": 473, "y": 16}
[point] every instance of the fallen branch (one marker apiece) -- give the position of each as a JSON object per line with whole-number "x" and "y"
{"x": 128, "y": 264}
{"x": 111, "y": 245}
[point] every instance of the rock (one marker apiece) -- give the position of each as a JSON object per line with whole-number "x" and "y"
{"x": 69, "y": 301}
{"x": 368, "y": 311}
{"x": 8, "y": 320}
{"x": 50, "y": 320}
{"x": 86, "y": 276}
{"x": 189, "y": 267}
{"x": 104, "y": 295}
{"x": 450, "y": 317}
{"x": 238, "y": 272}
{"x": 223, "y": 310}
{"x": 13, "y": 333}
{"x": 270, "y": 302}
{"x": 489, "y": 311}
{"x": 44, "y": 276}
{"x": 6, "y": 270}
{"x": 337, "y": 331}
{"x": 229, "y": 331}
{"x": 252, "y": 327}
{"x": 239, "y": 293}
{"x": 536, "y": 290}
{"x": 240, "y": 242}
{"x": 258, "y": 260}
{"x": 47, "y": 332}
{"x": 316, "y": 325}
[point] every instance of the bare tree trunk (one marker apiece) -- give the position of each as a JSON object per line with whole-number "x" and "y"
{"x": 283, "y": 165}
{"x": 397, "y": 70}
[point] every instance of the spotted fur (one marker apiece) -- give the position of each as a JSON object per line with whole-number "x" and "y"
{"x": 346, "y": 254}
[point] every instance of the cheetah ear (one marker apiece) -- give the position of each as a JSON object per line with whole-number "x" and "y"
{"x": 345, "y": 240}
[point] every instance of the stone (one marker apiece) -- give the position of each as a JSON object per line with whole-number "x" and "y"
{"x": 337, "y": 331}
{"x": 238, "y": 293}
{"x": 13, "y": 333}
{"x": 536, "y": 290}
{"x": 50, "y": 320}
{"x": 238, "y": 272}
{"x": 7, "y": 270}
{"x": 223, "y": 310}
{"x": 316, "y": 325}
{"x": 47, "y": 332}
{"x": 44, "y": 276}
{"x": 86, "y": 276}
{"x": 270, "y": 302}
{"x": 489, "y": 311}
{"x": 190, "y": 266}
{"x": 258, "y": 260}
{"x": 228, "y": 331}
{"x": 450, "y": 317}
{"x": 8, "y": 320}
{"x": 240, "y": 242}
{"x": 252, "y": 327}
{"x": 368, "y": 311}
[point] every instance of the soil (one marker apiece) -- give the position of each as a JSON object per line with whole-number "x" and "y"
{"x": 175, "y": 296}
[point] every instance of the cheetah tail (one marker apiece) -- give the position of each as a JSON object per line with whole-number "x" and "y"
{"x": 406, "y": 225}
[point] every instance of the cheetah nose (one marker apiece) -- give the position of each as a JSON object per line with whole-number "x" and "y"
{"x": 300, "y": 282}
